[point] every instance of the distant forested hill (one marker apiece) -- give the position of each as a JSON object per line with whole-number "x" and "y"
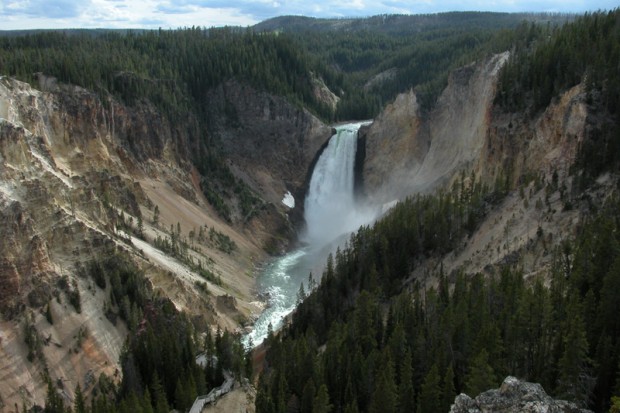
{"x": 174, "y": 68}
{"x": 410, "y": 51}
{"x": 402, "y": 24}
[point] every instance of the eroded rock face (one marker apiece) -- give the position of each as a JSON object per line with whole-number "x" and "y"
{"x": 546, "y": 144}
{"x": 407, "y": 152}
{"x": 75, "y": 167}
{"x": 514, "y": 396}
{"x": 397, "y": 132}
{"x": 271, "y": 144}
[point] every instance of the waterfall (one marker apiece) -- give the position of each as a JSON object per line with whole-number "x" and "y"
{"x": 330, "y": 199}
{"x": 330, "y": 212}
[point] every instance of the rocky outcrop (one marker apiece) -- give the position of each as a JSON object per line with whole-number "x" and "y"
{"x": 408, "y": 152}
{"x": 380, "y": 78}
{"x": 62, "y": 173}
{"x": 466, "y": 135}
{"x": 323, "y": 94}
{"x": 514, "y": 396}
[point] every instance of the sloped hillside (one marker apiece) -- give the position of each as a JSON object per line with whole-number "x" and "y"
{"x": 86, "y": 179}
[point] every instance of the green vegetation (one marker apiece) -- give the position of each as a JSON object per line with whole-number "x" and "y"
{"x": 33, "y": 341}
{"x": 417, "y": 51}
{"x": 550, "y": 60}
{"x": 172, "y": 69}
{"x": 420, "y": 347}
{"x": 222, "y": 241}
{"x": 158, "y": 362}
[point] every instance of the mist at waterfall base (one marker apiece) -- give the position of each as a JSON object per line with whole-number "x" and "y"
{"x": 331, "y": 214}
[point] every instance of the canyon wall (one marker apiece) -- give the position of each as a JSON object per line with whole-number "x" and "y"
{"x": 82, "y": 174}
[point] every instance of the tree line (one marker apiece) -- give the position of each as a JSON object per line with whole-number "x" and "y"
{"x": 173, "y": 69}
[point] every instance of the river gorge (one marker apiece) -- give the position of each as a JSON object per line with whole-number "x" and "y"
{"x": 331, "y": 213}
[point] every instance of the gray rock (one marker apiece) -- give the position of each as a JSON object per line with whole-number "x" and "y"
{"x": 514, "y": 396}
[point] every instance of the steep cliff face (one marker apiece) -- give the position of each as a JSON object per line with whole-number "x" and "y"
{"x": 458, "y": 125}
{"x": 81, "y": 175}
{"x": 53, "y": 217}
{"x": 514, "y": 396}
{"x": 408, "y": 153}
{"x": 467, "y": 136}
{"x": 397, "y": 131}
{"x": 270, "y": 143}
{"x": 548, "y": 143}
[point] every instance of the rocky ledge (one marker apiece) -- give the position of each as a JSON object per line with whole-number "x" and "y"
{"x": 514, "y": 396}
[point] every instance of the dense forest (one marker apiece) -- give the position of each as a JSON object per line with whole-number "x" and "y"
{"x": 382, "y": 350}
{"x": 174, "y": 68}
{"x": 382, "y": 56}
{"x": 370, "y": 338}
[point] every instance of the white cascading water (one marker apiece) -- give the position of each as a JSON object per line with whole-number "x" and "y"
{"x": 330, "y": 212}
{"x": 330, "y": 197}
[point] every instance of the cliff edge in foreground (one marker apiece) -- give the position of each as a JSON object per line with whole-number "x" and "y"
{"x": 514, "y": 396}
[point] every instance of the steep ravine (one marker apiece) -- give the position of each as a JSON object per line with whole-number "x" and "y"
{"x": 74, "y": 166}
{"x": 72, "y": 162}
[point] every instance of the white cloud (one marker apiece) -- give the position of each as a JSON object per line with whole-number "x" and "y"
{"x": 26, "y": 14}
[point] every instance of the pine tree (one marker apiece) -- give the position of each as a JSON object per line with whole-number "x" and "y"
{"x": 133, "y": 404}
{"x": 53, "y": 401}
{"x": 449, "y": 392}
{"x": 384, "y": 398}
{"x": 481, "y": 376}
{"x": 147, "y": 407}
{"x": 429, "y": 400}
{"x": 48, "y": 313}
{"x": 307, "y": 398}
{"x": 321, "y": 401}
{"x": 351, "y": 408}
{"x": 180, "y": 395}
{"x": 575, "y": 381}
{"x": 140, "y": 226}
{"x": 158, "y": 395}
{"x": 79, "y": 405}
{"x": 406, "y": 401}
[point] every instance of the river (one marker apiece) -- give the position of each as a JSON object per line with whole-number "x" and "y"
{"x": 331, "y": 213}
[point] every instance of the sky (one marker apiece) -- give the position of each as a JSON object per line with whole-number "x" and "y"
{"x": 172, "y": 14}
